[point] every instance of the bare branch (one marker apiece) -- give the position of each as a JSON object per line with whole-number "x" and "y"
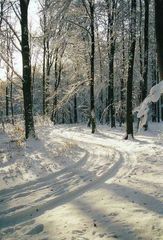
{"x": 10, "y": 66}
{"x": 85, "y": 6}
{"x": 70, "y": 21}
{"x": 16, "y": 10}
{"x": 12, "y": 29}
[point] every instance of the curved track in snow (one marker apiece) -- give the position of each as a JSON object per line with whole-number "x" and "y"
{"x": 99, "y": 163}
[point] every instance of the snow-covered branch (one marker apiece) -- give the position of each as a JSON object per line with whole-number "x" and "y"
{"x": 154, "y": 95}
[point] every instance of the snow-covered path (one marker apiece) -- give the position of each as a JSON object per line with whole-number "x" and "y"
{"x": 60, "y": 187}
{"x": 86, "y": 187}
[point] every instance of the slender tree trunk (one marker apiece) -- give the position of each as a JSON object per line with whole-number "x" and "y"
{"x": 159, "y": 101}
{"x": 140, "y": 96}
{"x": 44, "y": 67}
{"x": 159, "y": 35}
{"x": 146, "y": 46}
{"x": 92, "y": 100}
{"x": 101, "y": 95}
{"x": 111, "y": 78}
{"x": 63, "y": 117}
{"x": 129, "y": 117}
{"x": 47, "y": 80}
{"x": 122, "y": 107}
{"x": 99, "y": 53}
{"x": 111, "y": 54}
{"x": 11, "y": 101}
{"x": 154, "y": 82}
{"x": 1, "y": 11}
{"x": 7, "y": 101}
{"x": 54, "y": 111}
{"x": 140, "y": 51}
{"x": 7, "y": 72}
{"x": 70, "y": 116}
{"x": 75, "y": 109}
{"x": 108, "y": 102}
{"x": 58, "y": 73}
{"x": 28, "y": 113}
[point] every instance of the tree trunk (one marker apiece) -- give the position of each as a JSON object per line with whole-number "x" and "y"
{"x": 47, "y": 79}
{"x": 140, "y": 52}
{"x": 108, "y": 100}
{"x": 75, "y": 109}
{"x": 7, "y": 101}
{"x": 122, "y": 107}
{"x": 111, "y": 79}
{"x": 28, "y": 113}
{"x": 7, "y": 72}
{"x": 11, "y": 101}
{"x": 92, "y": 100}
{"x": 101, "y": 97}
{"x": 129, "y": 117}
{"x": 1, "y": 11}
{"x": 58, "y": 72}
{"x": 159, "y": 35}
{"x": 159, "y": 101}
{"x": 146, "y": 46}
{"x": 111, "y": 54}
{"x": 44, "y": 67}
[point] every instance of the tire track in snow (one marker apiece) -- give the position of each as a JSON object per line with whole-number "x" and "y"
{"x": 78, "y": 178}
{"x": 38, "y": 183}
{"x": 32, "y": 212}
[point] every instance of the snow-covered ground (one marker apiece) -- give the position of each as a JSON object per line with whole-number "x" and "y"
{"x": 72, "y": 185}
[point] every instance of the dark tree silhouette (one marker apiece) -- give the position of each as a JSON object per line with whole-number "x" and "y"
{"x": 129, "y": 117}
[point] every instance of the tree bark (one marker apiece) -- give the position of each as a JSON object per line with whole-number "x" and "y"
{"x": 28, "y": 112}
{"x": 47, "y": 79}
{"x": 1, "y": 11}
{"x": 101, "y": 94}
{"x": 92, "y": 100}
{"x": 58, "y": 72}
{"x": 129, "y": 117}
{"x": 159, "y": 35}
{"x": 7, "y": 101}
{"x": 140, "y": 52}
{"x": 122, "y": 105}
{"x": 11, "y": 102}
{"x": 146, "y": 46}
{"x": 75, "y": 109}
{"x": 111, "y": 54}
{"x": 44, "y": 66}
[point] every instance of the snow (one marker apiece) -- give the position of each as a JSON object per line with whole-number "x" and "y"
{"x": 154, "y": 95}
{"x": 72, "y": 185}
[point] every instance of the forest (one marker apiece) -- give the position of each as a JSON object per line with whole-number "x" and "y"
{"x": 88, "y": 62}
{"x": 81, "y": 111}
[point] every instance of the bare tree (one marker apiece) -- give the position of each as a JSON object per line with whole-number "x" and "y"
{"x": 159, "y": 35}
{"x": 129, "y": 117}
{"x": 27, "y": 94}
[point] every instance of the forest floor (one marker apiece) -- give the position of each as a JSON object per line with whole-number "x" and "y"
{"x": 72, "y": 185}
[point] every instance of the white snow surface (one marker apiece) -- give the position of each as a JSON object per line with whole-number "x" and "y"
{"x": 72, "y": 185}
